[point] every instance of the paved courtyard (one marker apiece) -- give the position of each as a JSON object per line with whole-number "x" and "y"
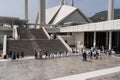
{"x": 115, "y": 76}
{"x": 54, "y": 68}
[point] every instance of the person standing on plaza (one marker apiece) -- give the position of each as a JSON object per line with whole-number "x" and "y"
{"x": 91, "y": 55}
{"x": 14, "y": 56}
{"x": 41, "y": 54}
{"x": 17, "y": 55}
{"x": 84, "y": 55}
{"x": 36, "y": 54}
{"x": 22, "y": 54}
{"x": 10, "y": 54}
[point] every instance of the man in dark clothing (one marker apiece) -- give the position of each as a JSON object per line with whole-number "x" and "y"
{"x": 84, "y": 56}
{"x": 36, "y": 53}
{"x": 22, "y": 54}
{"x": 17, "y": 55}
{"x": 14, "y": 56}
{"x": 10, "y": 54}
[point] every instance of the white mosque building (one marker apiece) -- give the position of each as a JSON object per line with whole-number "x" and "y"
{"x": 78, "y": 30}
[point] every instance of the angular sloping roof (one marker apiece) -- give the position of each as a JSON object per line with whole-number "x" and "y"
{"x": 50, "y": 13}
{"x": 57, "y": 14}
{"x": 63, "y": 13}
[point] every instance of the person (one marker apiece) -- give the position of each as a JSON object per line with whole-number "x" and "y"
{"x": 10, "y": 54}
{"x": 96, "y": 55}
{"x": 91, "y": 55}
{"x": 84, "y": 56}
{"x": 100, "y": 53}
{"x": 35, "y": 53}
{"x": 41, "y": 54}
{"x": 38, "y": 54}
{"x": 46, "y": 53}
{"x": 5, "y": 57}
{"x": 17, "y": 55}
{"x": 22, "y": 54}
{"x": 109, "y": 52}
{"x": 14, "y": 56}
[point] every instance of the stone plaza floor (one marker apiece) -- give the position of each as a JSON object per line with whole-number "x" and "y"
{"x": 48, "y": 69}
{"x": 114, "y": 76}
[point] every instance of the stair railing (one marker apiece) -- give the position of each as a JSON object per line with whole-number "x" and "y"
{"x": 46, "y": 32}
{"x": 15, "y": 33}
{"x": 64, "y": 43}
{"x": 4, "y": 45}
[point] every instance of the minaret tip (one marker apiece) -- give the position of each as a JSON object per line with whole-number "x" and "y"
{"x": 62, "y": 2}
{"x": 72, "y": 2}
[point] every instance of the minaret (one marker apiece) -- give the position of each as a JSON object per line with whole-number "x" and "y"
{"x": 42, "y": 8}
{"x": 110, "y": 17}
{"x": 26, "y": 9}
{"x": 62, "y": 2}
{"x": 72, "y": 2}
{"x": 110, "y": 9}
{"x": 65, "y": 2}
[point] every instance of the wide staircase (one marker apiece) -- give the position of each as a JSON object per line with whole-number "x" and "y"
{"x": 38, "y": 34}
{"x": 26, "y": 33}
{"x": 28, "y": 45}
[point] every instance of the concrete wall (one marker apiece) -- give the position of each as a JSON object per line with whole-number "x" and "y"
{"x": 100, "y": 26}
{"x": 79, "y": 39}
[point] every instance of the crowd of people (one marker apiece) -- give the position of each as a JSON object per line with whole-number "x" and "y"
{"x": 39, "y": 54}
{"x": 95, "y": 54}
{"x": 87, "y": 54}
{"x": 14, "y": 55}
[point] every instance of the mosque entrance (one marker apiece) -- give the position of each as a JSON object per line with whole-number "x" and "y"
{"x": 101, "y": 40}
{"x": 116, "y": 41}
{"x": 88, "y": 39}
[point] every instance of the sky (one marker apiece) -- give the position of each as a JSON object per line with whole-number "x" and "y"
{"x": 15, "y": 8}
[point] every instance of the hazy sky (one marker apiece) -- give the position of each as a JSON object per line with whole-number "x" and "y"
{"x": 16, "y": 7}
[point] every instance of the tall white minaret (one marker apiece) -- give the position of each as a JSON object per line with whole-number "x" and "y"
{"x": 26, "y": 9}
{"x": 42, "y": 8}
{"x": 62, "y": 2}
{"x": 110, "y": 9}
{"x": 72, "y": 2}
{"x": 110, "y": 17}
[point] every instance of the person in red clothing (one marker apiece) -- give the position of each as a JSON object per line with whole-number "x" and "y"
{"x": 32, "y": 37}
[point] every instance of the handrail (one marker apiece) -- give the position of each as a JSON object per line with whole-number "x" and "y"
{"x": 15, "y": 33}
{"x": 5, "y": 28}
{"x": 65, "y": 44}
{"x": 46, "y": 32}
{"x": 4, "y": 45}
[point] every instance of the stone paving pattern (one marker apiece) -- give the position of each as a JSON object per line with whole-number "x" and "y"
{"x": 53, "y": 68}
{"x": 114, "y": 76}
